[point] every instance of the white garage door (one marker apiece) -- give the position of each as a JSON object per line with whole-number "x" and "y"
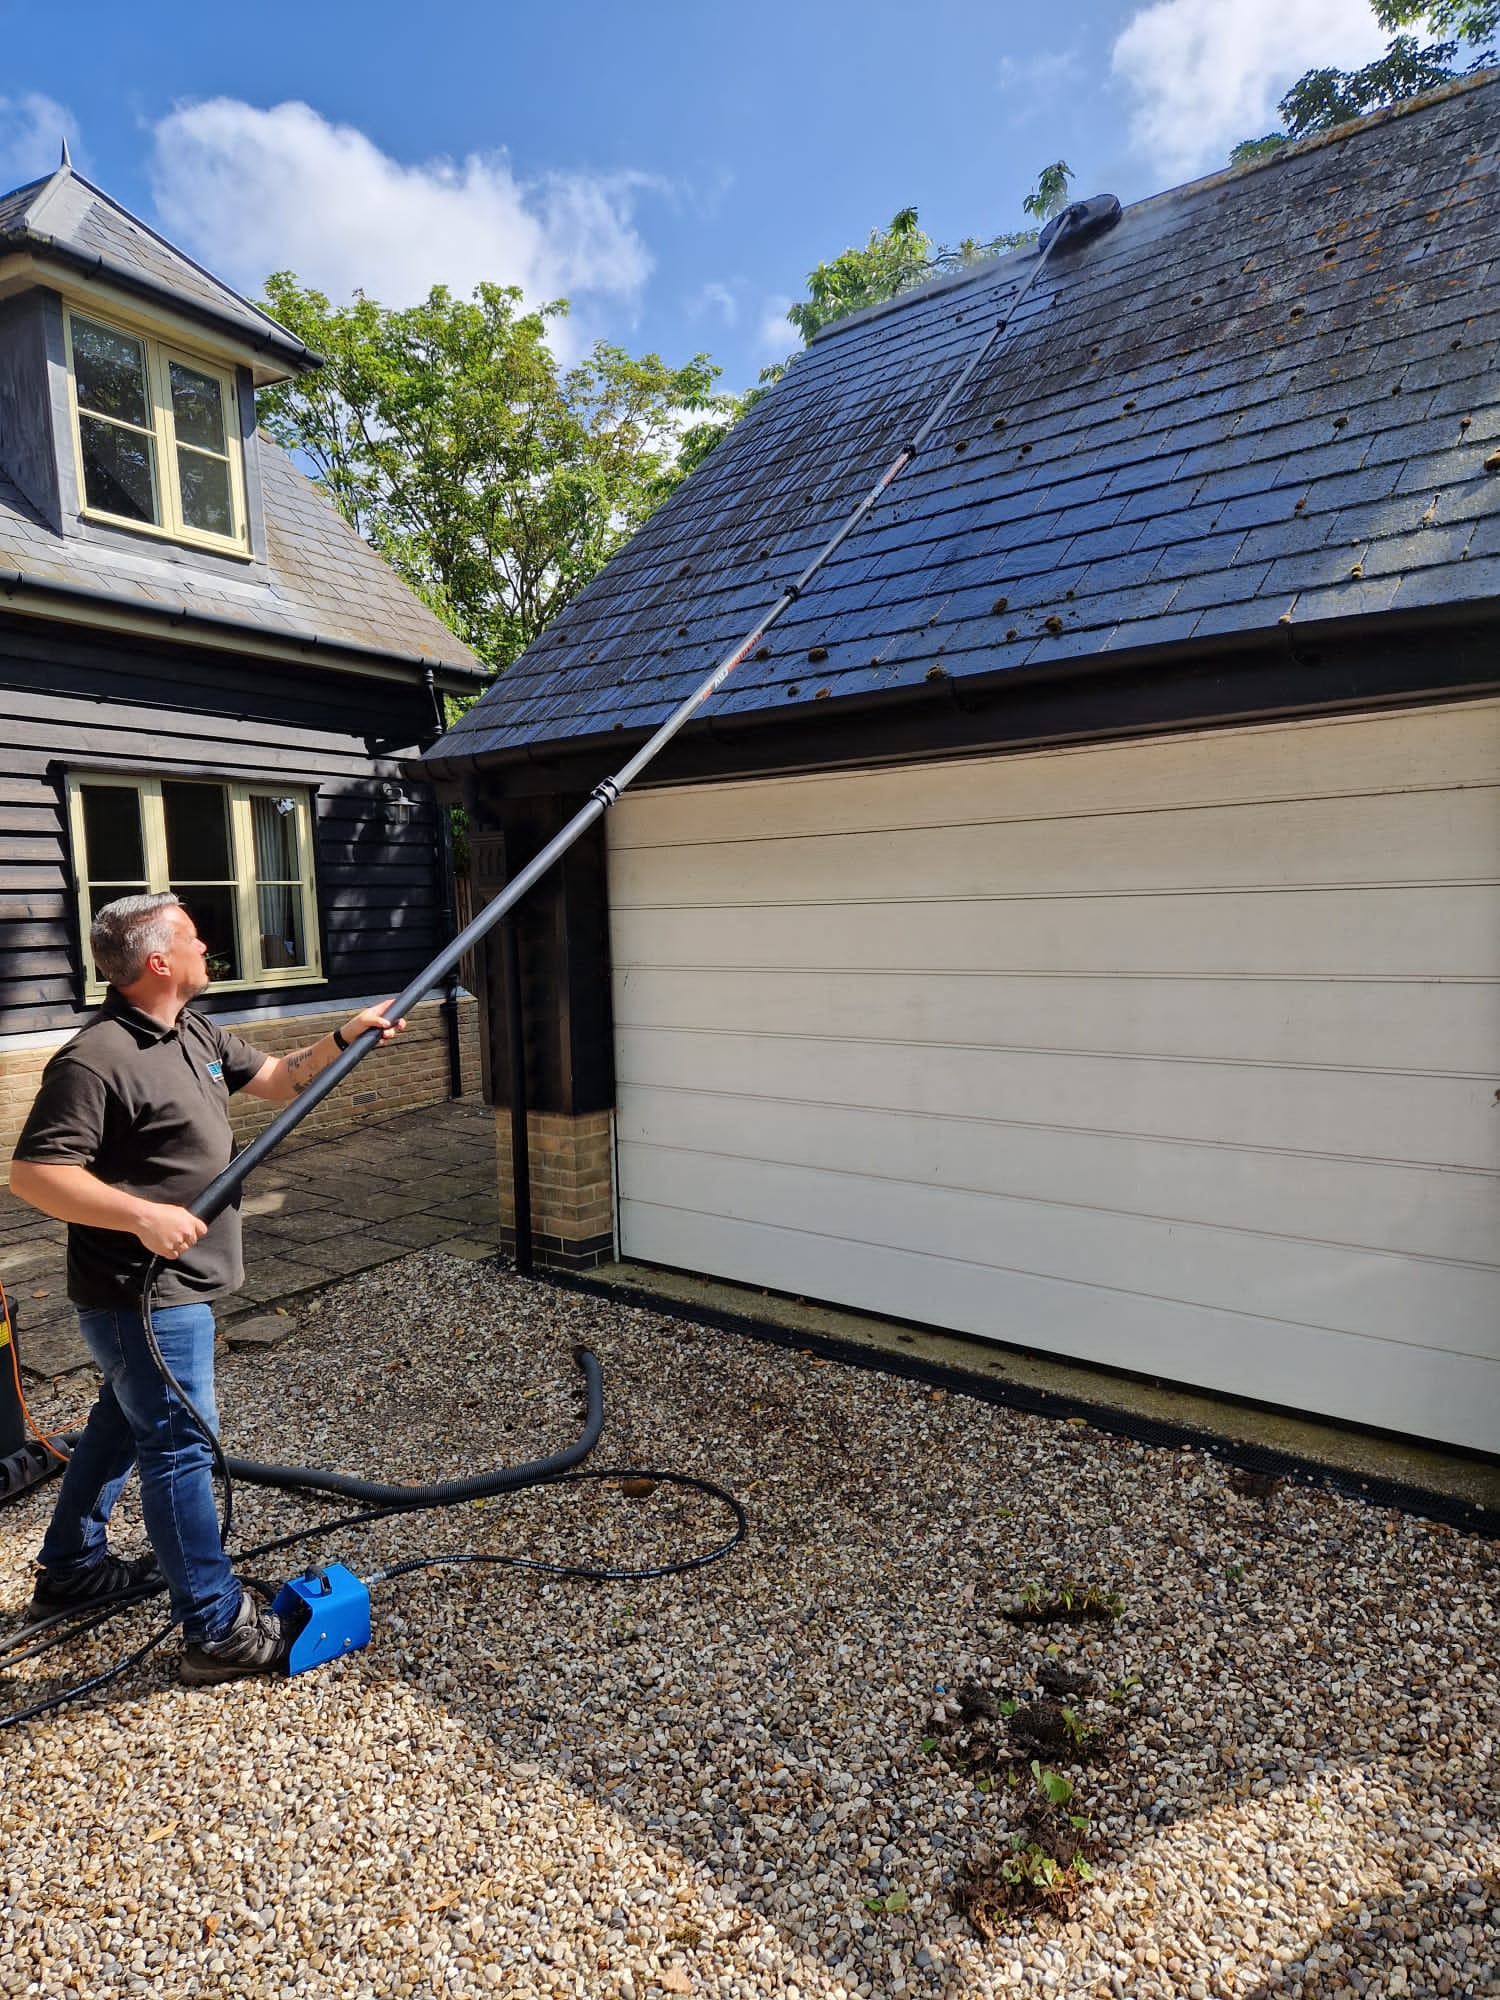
{"x": 1178, "y": 1055}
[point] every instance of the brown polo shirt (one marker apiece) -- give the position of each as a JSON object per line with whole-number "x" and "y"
{"x": 144, "y": 1108}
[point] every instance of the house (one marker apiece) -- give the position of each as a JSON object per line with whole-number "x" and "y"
{"x": 1078, "y": 925}
{"x": 207, "y": 680}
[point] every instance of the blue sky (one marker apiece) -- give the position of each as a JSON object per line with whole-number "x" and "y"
{"x": 674, "y": 169}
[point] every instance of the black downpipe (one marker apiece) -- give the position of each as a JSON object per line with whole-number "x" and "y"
{"x": 449, "y": 914}
{"x": 450, "y": 931}
{"x": 520, "y": 1141}
{"x": 521, "y": 1151}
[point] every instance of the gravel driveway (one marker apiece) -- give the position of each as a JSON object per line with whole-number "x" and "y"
{"x": 782, "y": 1774}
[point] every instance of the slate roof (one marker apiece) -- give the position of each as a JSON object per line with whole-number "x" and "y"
{"x": 67, "y": 219}
{"x": 1267, "y": 395}
{"x": 320, "y": 581}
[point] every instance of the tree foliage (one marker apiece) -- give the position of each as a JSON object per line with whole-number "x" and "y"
{"x": 496, "y": 481}
{"x": 902, "y": 256}
{"x": 1324, "y": 98}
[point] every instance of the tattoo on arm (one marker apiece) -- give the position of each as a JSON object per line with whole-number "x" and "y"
{"x": 302, "y": 1066}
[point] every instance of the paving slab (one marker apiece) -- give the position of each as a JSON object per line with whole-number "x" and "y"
{"x": 261, "y": 1330}
{"x": 325, "y": 1206}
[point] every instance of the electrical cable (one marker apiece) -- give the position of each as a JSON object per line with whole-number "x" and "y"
{"x": 89, "y": 1618}
{"x": 43, "y": 1438}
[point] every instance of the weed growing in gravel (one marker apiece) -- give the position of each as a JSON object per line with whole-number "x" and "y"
{"x": 1070, "y": 1604}
{"x": 1041, "y": 1866}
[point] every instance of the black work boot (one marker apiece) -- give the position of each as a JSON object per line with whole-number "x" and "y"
{"x": 110, "y": 1577}
{"x": 254, "y": 1644}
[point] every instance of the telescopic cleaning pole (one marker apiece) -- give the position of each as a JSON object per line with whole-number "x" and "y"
{"x": 1082, "y": 219}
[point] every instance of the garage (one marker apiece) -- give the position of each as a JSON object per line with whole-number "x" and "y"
{"x": 1176, "y": 1055}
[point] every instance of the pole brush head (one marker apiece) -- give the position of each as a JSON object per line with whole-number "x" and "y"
{"x": 1079, "y": 221}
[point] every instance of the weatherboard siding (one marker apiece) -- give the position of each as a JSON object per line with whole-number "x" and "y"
{"x": 68, "y": 703}
{"x": 1178, "y": 1055}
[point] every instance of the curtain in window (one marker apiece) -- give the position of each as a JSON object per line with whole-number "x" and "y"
{"x": 278, "y": 881}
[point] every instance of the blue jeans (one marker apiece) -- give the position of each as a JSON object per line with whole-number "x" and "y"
{"x": 138, "y": 1421}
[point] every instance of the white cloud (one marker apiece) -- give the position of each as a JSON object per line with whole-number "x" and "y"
{"x": 252, "y": 191}
{"x": 1036, "y": 75}
{"x": 32, "y": 130}
{"x": 776, "y": 336}
{"x": 715, "y": 297}
{"x": 1207, "y": 73}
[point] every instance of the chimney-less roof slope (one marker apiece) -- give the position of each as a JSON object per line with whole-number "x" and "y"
{"x": 1269, "y": 394}
{"x": 67, "y": 220}
{"x": 320, "y": 582}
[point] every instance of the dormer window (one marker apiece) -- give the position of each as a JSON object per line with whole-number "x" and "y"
{"x": 157, "y": 433}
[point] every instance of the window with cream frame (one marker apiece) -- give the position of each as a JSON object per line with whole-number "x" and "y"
{"x": 156, "y": 435}
{"x": 237, "y": 856}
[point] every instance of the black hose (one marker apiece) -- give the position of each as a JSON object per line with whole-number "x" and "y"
{"x": 448, "y": 1492}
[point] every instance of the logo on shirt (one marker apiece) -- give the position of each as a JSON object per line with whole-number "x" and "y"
{"x": 216, "y": 1070}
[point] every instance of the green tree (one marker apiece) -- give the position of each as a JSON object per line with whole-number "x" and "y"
{"x": 1323, "y": 98}
{"x": 494, "y": 480}
{"x": 902, "y": 256}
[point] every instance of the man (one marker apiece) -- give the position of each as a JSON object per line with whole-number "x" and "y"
{"x": 130, "y": 1125}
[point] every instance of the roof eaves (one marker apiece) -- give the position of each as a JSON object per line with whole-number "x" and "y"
{"x": 187, "y": 625}
{"x": 268, "y": 338}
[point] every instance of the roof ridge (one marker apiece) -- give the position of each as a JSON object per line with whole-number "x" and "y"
{"x": 989, "y": 267}
{"x": 1295, "y": 149}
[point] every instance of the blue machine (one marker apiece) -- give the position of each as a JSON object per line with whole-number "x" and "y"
{"x": 333, "y": 1608}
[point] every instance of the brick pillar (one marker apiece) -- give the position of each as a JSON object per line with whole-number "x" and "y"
{"x": 567, "y": 1038}
{"x": 572, "y": 1200}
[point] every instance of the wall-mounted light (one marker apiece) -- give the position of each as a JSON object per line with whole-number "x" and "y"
{"x": 399, "y": 803}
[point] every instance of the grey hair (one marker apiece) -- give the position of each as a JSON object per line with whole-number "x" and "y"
{"x": 124, "y": 934}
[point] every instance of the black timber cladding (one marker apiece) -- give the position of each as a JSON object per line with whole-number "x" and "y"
{"x": 1263, "y": 404}
{"x": 75, "y": 701}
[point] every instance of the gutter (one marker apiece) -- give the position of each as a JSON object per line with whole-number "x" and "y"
{"x": 123, "y": 613}
{"x": 95, "y": 265}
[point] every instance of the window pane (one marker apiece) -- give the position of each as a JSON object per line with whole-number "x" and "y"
{"x": 213, "y": 911}
{"x": 109, "y": 369}
{"x": 101, "y": 893}
{"x": 204, "y": 482}
{"x": 281, "y": 939}
{"x": 112, "y": 835}
{"x": 197, "y": 819}
{"x": 119, "y": 469}
{"x": 275, "y": 823}
{"x": 197, "y": 408}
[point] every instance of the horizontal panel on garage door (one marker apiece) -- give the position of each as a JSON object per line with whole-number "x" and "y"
{"x": 1332, "y": 1287}
{"x": 1380, "y": 1025}
{"x": 1407, "y": 1209}
{"x": 1404, "y": 837}
{"x": 1388, "y": 752}
{"x": 1439, "y": 1121}
{"x": 1330, "y": 933}
{"x": 1435, "y": 1395}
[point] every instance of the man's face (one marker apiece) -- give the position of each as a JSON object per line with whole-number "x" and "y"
{"x": 187, "y": 959}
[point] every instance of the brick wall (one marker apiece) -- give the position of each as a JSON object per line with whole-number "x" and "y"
{"x": 572, "y": 1186}
{"x": 411, "y": 1071}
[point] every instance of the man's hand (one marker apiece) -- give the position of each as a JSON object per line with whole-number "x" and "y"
{"x": 167, "y": 1231}
{"x": 372, "y": 1017}
{"x": 73, "y": 1194}
{"x": 281, "y": 1077}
